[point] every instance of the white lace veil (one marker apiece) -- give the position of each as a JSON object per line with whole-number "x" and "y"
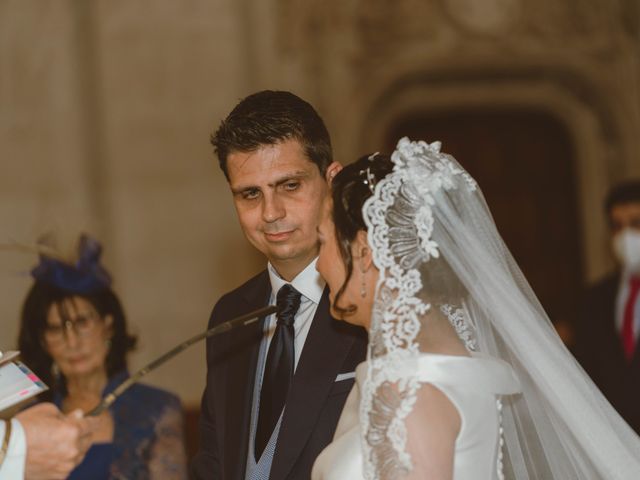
{"x": 438, "y": 250}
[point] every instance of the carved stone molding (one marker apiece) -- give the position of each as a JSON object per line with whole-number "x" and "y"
{"x": 492, "y": 17}
{"x": 594, "y": 150}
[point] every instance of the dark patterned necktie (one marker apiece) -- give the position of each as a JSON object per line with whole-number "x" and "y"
{"x": 278, "y": 371}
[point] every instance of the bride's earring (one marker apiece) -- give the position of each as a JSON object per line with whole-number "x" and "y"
{"x": 363, "y": 284}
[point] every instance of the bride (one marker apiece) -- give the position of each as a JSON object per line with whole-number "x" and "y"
{"x": 465, "y": 376}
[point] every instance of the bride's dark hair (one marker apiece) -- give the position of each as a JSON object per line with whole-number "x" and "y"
{"x": 350, "y": 189}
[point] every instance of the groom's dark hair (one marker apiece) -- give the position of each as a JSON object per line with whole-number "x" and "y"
{"x": 268, "y": 118}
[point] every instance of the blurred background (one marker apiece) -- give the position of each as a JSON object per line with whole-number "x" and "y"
{"x": 106, "y": 107}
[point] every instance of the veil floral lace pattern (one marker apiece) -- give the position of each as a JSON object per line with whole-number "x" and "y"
{"x": 462, "y": 325}
{"x": 438, "y": 252}
{"x": 400, "y": 223}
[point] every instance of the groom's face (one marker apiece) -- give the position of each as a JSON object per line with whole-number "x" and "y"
{"x": 278, "y": 194}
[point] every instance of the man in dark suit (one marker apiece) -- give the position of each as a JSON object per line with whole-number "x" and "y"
{"x": 275, "y": 152}
{"x": 607, "y": 333}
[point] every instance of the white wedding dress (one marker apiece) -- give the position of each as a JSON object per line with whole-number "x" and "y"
{"x": 474, "y": 386}
{"x": 438, "y": 251}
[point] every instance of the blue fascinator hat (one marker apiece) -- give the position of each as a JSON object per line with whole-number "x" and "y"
{"x": 85, "y": 276}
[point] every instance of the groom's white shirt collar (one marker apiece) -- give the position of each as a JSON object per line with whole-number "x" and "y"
{"x": 308, "y": 282}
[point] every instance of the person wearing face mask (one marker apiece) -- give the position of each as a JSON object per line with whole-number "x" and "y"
{"x": 608, "y": 331}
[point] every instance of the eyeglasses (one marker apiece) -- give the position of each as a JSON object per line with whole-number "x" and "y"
{"x": 83, "y": 325}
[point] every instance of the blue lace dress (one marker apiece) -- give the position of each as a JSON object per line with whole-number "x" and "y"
{"x": 148, "y": 438}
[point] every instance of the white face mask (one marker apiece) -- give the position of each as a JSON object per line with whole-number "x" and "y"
{"x": 626, "y": 246}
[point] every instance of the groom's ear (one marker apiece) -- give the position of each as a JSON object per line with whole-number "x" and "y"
{"x": 332, "y": 171}
{"x": 363, "y": 251}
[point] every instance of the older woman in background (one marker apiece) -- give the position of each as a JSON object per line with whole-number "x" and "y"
{"x": 73, "y": 334}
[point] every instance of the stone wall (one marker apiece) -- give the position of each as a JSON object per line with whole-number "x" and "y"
{"x": 106, "y": 107}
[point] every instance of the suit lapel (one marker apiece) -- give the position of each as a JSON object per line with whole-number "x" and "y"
{"x": 323, "y": 354}
{"x": 240, "y": 379}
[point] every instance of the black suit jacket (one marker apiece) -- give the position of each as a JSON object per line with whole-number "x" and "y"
{"x": 598, "y": 347}
{"x": 314, "y": 402}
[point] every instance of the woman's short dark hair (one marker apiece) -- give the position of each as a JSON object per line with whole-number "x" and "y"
{"x": 270, "y": 117}
{"x": 350, "y": 188}
{"x": 40, "y": 298}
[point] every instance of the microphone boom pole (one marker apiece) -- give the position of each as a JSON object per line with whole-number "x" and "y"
{"x": 240, "y": 321}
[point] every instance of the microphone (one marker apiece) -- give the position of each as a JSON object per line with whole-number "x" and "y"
{"x": 240, "y": 321}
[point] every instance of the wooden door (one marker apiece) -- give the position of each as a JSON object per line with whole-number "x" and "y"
{"x": 524, "y": 163}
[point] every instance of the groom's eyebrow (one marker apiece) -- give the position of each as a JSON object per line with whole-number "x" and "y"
{"x": 296, "y": 175}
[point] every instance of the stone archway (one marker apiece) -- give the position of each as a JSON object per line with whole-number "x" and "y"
{"x": 590, "y": 136}
{"x": 586, "y": 126}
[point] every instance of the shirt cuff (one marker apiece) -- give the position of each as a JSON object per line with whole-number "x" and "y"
{"x": 13, "y": 465}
